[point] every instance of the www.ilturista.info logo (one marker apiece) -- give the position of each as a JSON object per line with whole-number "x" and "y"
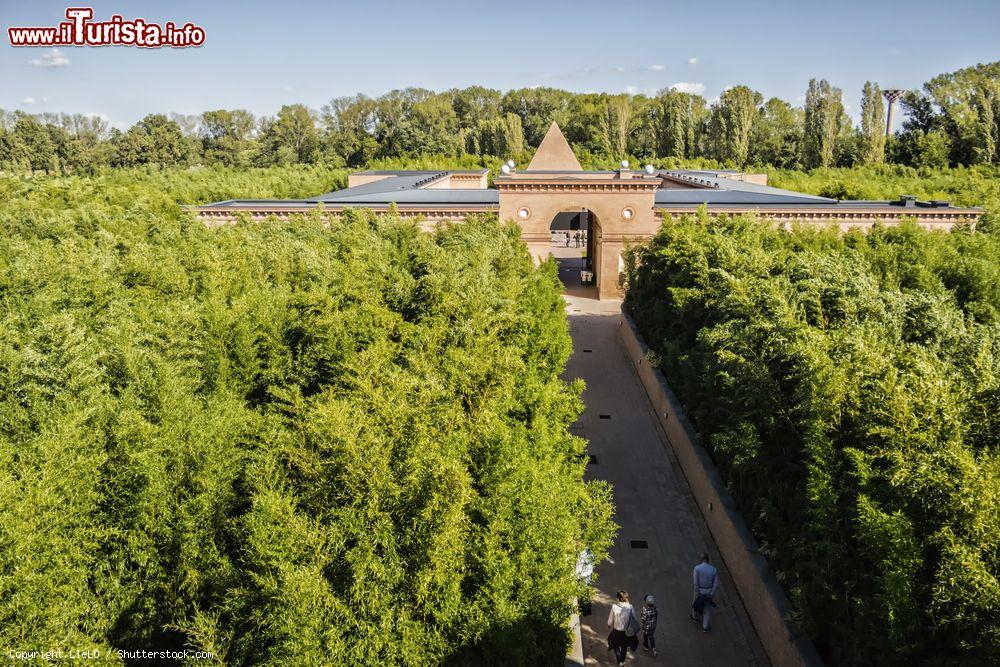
{"x": 79, "y": 30}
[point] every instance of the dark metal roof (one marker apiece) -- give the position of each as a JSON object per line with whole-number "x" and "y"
{"x": 404, "y": 181}
{"x": 408, "y": 188}
{"x": 275, "y": 203}
{"x": 709, "y": 179}
{"x": 407, "y": 172}
{"x": 712, "y": 196}
{"x": 412, "y": 196}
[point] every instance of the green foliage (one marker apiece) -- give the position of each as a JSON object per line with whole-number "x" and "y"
{"x": 976, "y": 186}
{"x": 283, "y": 442}
{"x": 777, "y": 135}
{"x": 682, "y": 118}
{"x": 290, "y": 138}
{"x": 154, "y": 140}
{"x": 497, "y": 136}
{"x": 824, "y": 117}
{"x": 872, "y": 132}
{"x": 954, "y": 122}
{"x": 228, "y": 137}
{"x": 732, "y": 122}
{"x": 969, "y": 100}
{"x": 847, "y": 387}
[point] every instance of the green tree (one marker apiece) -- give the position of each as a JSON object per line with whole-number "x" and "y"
{"x": 349, "y": 124}
{"x": 153, "y": 140}
{"x": 291, "y": 137}
{"x": 431, "y": 126}
{"x": 616, "y": 126}
{"x": 872, "y": 125}
{"x": 316, "y": 440}
{"x": 475, "y": 105}
{"x": 681, "y": 117}
{"x": 29, "y": 146}
{"x": 824, "y": 113}
{"x": 502, "y": 137}
{"x": 968, "y": 100}
{"x": 227, "y": 136}
{"x": 537, "y": 107}
{"x": 732, "y": 122}
{"x": 415, "y": 121}
{"x": 777, "y": 135}
{"x": 924, "y": 140}
{"x": 843, "y": 385}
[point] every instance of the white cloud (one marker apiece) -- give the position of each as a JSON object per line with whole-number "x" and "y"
{"x": 50, "y": 59}
{"x": 287, "y": 89}
{"x": 692, "y": 87}
{"x": 637, "y": 90}
{"x": 618, "y": 69}
{"x": 656, "y": 68}
{"x": 29, "y": 100}
{"x": 692, "y": 61}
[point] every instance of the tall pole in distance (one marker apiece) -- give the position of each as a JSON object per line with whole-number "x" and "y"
{"x": 891, "y": 95}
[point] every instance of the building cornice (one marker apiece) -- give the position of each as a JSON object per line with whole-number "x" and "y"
{"x": 831, "y": 213}
{"x": 591, "y": 186}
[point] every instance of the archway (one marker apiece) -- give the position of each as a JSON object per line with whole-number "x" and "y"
{"x": 573, "y": 239}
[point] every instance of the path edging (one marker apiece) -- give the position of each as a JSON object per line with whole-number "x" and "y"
{"x": 763, "y": 598}
{"x": 574, "y": 655}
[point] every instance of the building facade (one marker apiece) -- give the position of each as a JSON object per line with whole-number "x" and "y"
{"x": 616, "y": 207}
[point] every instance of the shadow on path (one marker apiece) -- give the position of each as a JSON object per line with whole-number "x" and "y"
{"x": 654, "y": 506}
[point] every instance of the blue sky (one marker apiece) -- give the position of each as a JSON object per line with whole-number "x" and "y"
{"x": 260, "y": 55}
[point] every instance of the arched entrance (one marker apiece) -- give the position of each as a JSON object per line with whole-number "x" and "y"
{"x": 619, "y": 203}
{"x": 574, "y": 230}
{"x": 572, "y": 242}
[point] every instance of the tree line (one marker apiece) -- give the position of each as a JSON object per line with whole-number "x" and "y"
{"x": 295, "y": 443}
{"x": 848, "y": 388}
{"x": 952, "y": 120}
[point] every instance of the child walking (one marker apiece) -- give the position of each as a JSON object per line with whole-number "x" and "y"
{"x": 648, "y": 623}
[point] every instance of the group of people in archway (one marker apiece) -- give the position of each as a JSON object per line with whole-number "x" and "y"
{"x": 578, "y": 238}
{"x": 626, "y": 624}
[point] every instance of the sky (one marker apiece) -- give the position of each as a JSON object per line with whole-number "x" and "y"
{"x": 260, "y": 55}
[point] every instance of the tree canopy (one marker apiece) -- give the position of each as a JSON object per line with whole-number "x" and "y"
{"x": 952, "y": 121}
{"x": 848, "y": 388}
{"x": 282, "y": 442}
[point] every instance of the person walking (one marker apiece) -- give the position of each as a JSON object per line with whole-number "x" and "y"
{"x": 624, "y": 626}
{"x": 706, "y": 583}
{"x": 648, "y": 623}
{"x": 576, "y": 238}
{"x": 567, "y": 239}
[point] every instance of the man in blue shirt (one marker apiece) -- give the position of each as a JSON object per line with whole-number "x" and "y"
{"x": 706, "y": 582}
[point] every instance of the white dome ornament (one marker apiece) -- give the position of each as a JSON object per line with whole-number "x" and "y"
{"x": 510, "y": 163}
{"x": 624, "y": 164}
{"x": 505, "y": 169}
{"x": 648, "y": 169}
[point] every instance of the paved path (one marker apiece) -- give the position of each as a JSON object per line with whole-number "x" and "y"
{"x": 653, "y": 503}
